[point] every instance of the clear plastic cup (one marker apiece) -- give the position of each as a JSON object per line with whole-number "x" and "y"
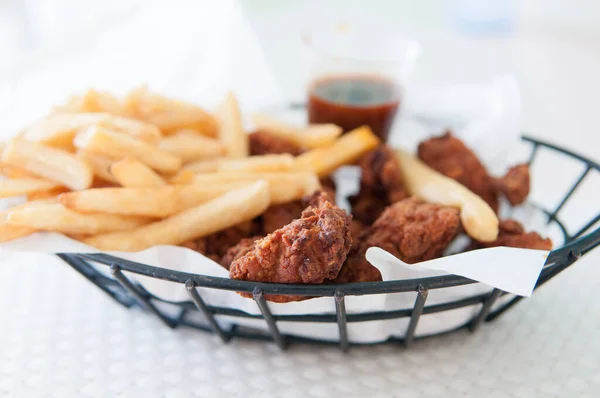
{"x": 357, "y": 76}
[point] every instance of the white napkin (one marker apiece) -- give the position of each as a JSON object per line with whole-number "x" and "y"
{"x": 193, "y": 50}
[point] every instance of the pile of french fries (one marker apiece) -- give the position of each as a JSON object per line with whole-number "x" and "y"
{"x": 126, "y": 174}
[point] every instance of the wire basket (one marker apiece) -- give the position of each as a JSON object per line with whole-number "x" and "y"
{"x": 129, "y": 293}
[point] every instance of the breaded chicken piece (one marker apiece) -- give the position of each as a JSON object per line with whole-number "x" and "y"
{"x": 451, "y": 157}
{"x": 239, "y": 250}
{"x": 512, "y": 234}
{"x": 411, "y": 230}
{"x": 515, "y": 184}
{"x": 217, "y": 244}
{"x": 328, "y": 186}
{"x": 311, "y": 249}
{"x": 277, "y": 216}
{"x": 380, "y": 185}
{"x": 263, "y": 143}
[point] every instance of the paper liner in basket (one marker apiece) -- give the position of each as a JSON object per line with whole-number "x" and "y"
{"x": 509, "y": 269}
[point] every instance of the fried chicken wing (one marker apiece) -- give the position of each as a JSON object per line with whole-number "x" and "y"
{"x": 512, "y": 234}
{"x": 380, "y": 185}
{"x": 515, "y": 184}
{"x": 451, "y": 157}
{"x": 263, "y": 143}
{"x": 411, "y": 230}
{"x": 311, "y": 249}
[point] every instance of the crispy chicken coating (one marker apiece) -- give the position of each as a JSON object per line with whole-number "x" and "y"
{"x": 512, "y": 234}
{"x": 411, "y": 230}
{"x": 263, "y": 143}
{"x": 277, "y": 216}
{"x": 329, "y": 186}
{"x": 216, "y": 245}
{"x": 239, "y": 250}
{"x": 451, "y": 157}
{"x": 515, "y": 184}
{"x": 311, "y": 249}
{"x": 380, "y": 185}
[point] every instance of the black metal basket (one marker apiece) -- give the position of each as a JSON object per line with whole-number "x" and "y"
{"x": 129, "y": 293}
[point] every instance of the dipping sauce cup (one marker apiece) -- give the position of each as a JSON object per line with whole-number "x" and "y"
{"x": 358, "y": 77}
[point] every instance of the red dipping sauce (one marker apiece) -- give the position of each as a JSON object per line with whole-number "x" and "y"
{"x": 353, "y": 101}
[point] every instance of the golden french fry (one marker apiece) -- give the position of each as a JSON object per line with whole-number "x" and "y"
{"x": 59, "y": 130}
{"x": 311, "y": 136}
{"x": 183, "y": 177}
{"x": 99, "y": 101}
{"x": 58, "y": 218}
{"x": 222, "y": 212}
{"x": 99, "y": 164}
{"x": 344, "y": 150}
{"x": 151, "y": 202}
{"x": 170, "y": 115}
{"x": 51, "y": 163}
{"x": 131, "y": 173}
{"x": 24, "y": 186}
{"x": 284, "y": 187}
{"x": 281, "y": 162}
{"x": 93, "y": 101}
{"x": 477, "y": 217}
{"x": 105, "y": 142}
{"x": 202, "y": 166}
{"x": 10, "y": 232}
{"x": 191, "y": 146}
{"x": 141, "y": 130}
{"x": 231, "y": 131}
{"x": 41, "y": 195}
{"x": 271, "y": 163}
{"x": 15, "y": 172}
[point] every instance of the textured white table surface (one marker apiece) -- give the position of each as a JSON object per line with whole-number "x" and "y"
{"x": 61, "y": 337}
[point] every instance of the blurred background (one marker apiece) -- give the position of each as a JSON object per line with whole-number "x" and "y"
{"x": 50, "y": 47}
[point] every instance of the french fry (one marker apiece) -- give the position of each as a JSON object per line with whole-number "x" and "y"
{"x": 181, "y": 178}
{"x": 271, "y": 163}
{"x": 93, "y": 101}
{"x": 24, "y": 186}
{"x": 170, "y": 115}
{"x": 10, "y": 232}
{"x": 131, "y": 173}
{"x": 284, "y": 187}
{"x": 56, "y": 217}
{"x": 100, "y": 101}
{"x": 60, "y": 129}
{"x": 50, "y": 194}
{"x": 191, "y": 146}
{"x": 477, "y": 217}
{"x": 231, "y": 131}
{"x": 202, "y": 166}
{"x": 99, "y": 164}
{"x": 281, "y": 162}
{"x": 222, "y": 212}
{"x": 311, "y": 136}
{"x": 51, "y": 163}
{"x": 151, "y": 202}
{"x": 142, "y": 131}
{"x": 111, "y": 144}
{"x": 15, "y": 172}
{"x": 344, "y": 150}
